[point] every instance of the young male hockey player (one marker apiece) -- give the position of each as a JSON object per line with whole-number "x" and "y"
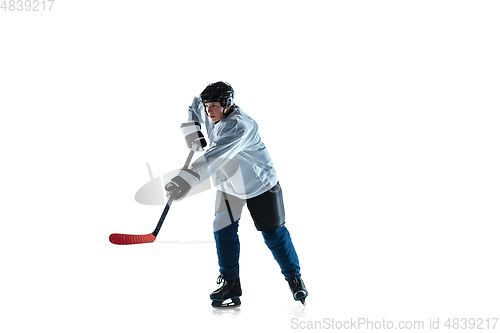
{"x": 244, "y": 173}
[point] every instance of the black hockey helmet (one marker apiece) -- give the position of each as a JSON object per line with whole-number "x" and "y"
{"x": 220, "y": 92}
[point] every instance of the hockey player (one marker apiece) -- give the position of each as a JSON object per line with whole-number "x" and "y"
{"x": 244, "y": 174}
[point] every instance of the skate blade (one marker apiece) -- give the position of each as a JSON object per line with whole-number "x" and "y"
{"x": 235, "y": 302}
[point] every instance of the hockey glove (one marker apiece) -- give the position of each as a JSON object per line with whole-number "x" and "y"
{"x": 193, "y": 135}
{"x": 181, "y": 184}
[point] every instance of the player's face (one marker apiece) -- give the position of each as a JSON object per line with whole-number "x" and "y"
{"x": 215, "y": 111}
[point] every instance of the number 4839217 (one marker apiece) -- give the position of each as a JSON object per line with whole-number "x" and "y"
{"x": 27, "y": 5}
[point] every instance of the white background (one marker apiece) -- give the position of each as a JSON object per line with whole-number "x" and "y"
{"x": 381, "y": 118}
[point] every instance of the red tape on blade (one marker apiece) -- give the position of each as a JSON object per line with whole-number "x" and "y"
{"x": 122, "y": 239}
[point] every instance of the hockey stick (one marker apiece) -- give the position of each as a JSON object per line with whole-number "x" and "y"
{"x": 125, "y": 239}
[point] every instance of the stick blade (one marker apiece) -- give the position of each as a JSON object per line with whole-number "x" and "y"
{"x": 123, "y": 239}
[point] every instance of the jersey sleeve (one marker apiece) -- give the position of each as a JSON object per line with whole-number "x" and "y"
{"x": 196, "y": 112}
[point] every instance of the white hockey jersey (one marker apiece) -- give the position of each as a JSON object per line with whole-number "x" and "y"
{"x": 236, "y": 156}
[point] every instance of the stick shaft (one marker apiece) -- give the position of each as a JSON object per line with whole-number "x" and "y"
{"x": 189, "y": 158}
{"x": 171, "y": 199}
{"x": 164, "y": 214}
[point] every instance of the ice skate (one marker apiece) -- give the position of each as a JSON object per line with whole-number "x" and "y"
{"x": 230, "y": 289}
{"x": 298, "y": 289}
